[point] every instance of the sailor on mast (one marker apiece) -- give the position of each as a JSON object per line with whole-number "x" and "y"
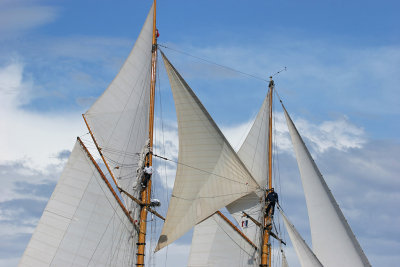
{"x": 148, "y": 171}
{"x": 271, "y": 199}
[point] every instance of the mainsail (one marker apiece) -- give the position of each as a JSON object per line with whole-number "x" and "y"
{"x": 333, "y": 241}
{"x": 83, "y": 224}
{"x": 304, "y": 253}
{"x": 209, "y": 175}
{"x": 120, "y": 116}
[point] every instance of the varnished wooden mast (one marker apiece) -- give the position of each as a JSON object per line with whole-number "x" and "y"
{"x": 146, "y": 194}
{"x": 266, "y": 246}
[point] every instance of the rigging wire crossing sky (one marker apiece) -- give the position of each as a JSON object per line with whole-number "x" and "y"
{"x": 340, "y": 87}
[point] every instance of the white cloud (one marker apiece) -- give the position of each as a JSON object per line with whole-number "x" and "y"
{"x": 34, "y": 137}
{"x": 18, "y": 17}
{"x": 339, "y": 134}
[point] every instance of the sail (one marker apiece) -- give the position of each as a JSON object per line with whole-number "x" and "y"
{"x": 304, "y": 253}
{"x": 119, "y": 118}
{"x": 83, "y": 223}
{"x": 254, "y": 150}
{"x": 206, "y": 249}
{"x": 254, "y": 154}
{"x": 333, "y": 241}
{"x": 209, "y": 175}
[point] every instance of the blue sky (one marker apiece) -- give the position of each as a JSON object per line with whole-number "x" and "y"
{"x": 341, "y": 87}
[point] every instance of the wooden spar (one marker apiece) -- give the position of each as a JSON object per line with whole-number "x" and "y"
{"x": 131, "y": 197}
{"x": 236, "y": 229}
{"x": 156, "y": 213}
{"x": 252, "y": 219}
{"x": 266, "y": 246}
{"x": 107, "y": 182}
{"x": 142, "y": 204}
{"x": 146, "y": 194}
{"x": 99, "y": 149}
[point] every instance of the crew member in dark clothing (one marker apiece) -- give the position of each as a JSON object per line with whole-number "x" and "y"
{"x": 271, "y": 199}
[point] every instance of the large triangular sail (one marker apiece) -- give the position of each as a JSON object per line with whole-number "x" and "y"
{"x": 119, "y": 118}
{"x": 83, "y": 224}
{"x": 254, "y": 154}
{"x": 332, "y": 238}
{"x": 209, "y": 175}
{"x": 304, "y": 253}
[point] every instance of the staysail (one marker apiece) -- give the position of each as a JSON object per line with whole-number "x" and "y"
{"x": 209, "y": 175}
{"x": 254, "y": 154}
{"x": 332, "y": 238}
{"x": 83, "y": 224}
{"x": 304, "y": 253}
{"x": 120, "y": 116}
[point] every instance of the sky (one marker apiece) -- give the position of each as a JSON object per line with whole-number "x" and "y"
{"x": 341, "y": 87}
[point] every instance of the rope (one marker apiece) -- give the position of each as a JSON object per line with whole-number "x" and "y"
{"x": 195, "y": 168}
{"x": 216, "y": 64}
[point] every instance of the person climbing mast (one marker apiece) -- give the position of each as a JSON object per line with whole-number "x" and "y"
{"x": 148, "y": 171}
{"x": 271, "y": 199}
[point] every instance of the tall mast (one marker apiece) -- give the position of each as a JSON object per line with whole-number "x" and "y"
{"x": 146, "y": 194}
{"x": 266, "y": 245}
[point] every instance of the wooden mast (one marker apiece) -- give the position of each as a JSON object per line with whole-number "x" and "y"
{"x": 266, "y": 246}
{"x": 146, "y": 194}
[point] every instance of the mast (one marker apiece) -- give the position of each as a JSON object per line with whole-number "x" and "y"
{"x": 266, "y": 244}
{"x": 146, "y": 194}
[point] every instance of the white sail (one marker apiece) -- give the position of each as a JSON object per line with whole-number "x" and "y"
{"x": 333, "y": 241}
{"x": 120, "y": 116}
{"x": 206, "y": 249}
{"x": 254, "y": 150}
{"x": 209, "y": 175}
{"x": 254, "y": 154}
{"x": 83, "y": 223}
{"x": 305, "y": 255}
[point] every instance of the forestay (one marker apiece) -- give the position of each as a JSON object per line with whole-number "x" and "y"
{"x": 209, "y": 175}
{"x": 82, "y": 224}
{"x": 305, "y": 255}
{"x": 333, "y": 241}
{"x": 120, "y": 116}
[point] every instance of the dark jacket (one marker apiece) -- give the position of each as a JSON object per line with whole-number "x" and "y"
{"x": 272, "y": 197}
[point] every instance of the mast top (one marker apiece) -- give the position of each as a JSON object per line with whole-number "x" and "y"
{"x": 271, "y": 83}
